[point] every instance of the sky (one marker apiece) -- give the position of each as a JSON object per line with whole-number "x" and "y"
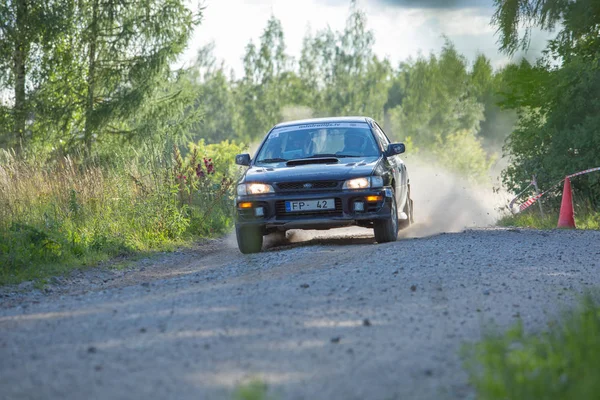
{"x": 402, "y": 28}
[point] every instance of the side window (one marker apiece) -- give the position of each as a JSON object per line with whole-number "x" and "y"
{"x": 382, "y": 139}
{"x": 385, "y": 138}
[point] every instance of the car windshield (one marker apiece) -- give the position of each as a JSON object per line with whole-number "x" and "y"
{"x": 318, "y": 140}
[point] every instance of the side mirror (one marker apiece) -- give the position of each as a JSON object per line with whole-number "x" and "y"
{"x": 243, "y": 159}
{"x": 394, "y": 149}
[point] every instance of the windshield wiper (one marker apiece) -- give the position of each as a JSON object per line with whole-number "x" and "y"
{"x": 272, "y": 160}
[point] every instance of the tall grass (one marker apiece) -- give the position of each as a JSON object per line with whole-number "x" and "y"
{"x": 561, "y": 364}
{"x": 66, "y": 212}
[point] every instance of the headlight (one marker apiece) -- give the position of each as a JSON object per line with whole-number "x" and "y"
{"x": 364, "y": 183}
{"x": 376, "y": 181}
{"x": 254, "y": 188}
{"x": 358, "y": 183}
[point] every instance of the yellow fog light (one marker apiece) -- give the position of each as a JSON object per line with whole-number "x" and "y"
{"x": 245, "y": 205}
{"x": 372, "y": 199}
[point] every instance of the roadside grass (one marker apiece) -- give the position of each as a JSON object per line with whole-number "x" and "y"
{"x": 587, "y": 219}
{"x": 561, "y": 363}
{"x": 69, "y": 213}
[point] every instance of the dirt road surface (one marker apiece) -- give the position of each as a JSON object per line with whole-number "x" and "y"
{"x": 338, "y": 317}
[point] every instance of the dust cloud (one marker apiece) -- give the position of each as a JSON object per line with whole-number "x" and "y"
{"x": 447, "y": 202}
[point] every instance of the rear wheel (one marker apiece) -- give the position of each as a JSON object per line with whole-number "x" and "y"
{"x": 386, "y": 230}
{"x": 249, "y": 239}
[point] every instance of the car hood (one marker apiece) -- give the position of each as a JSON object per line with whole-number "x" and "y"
{"x": 346, "y": 168}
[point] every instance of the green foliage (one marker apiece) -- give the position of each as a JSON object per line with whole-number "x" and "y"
{"x": 529, "y": 219}
{"x": 437, "y": 105}
{"x": 559, "y": 364}
{"x": 555, "y": 99}
{"x": 216, "y": 100}
{"x": 434, "y": 99}
{"x": 83, "y": 71}
{"x": 71, "y": 213}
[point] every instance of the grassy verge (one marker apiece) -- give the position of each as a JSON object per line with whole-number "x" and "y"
{"x": 532, "y": 219}
{"x": 562, "y": 363}
{"x": 67, "y": 213}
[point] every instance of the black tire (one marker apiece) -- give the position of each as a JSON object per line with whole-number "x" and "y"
{"x": 408, "y": 210}
{"x": 386, "y": 230}
{"x": 249, "y": 239}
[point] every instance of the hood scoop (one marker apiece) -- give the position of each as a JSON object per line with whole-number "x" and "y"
{"x": 306, "y": 161}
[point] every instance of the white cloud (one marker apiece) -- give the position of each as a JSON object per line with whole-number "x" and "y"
{"x": 467, "y": 21}
{"x": 400, "y": 32}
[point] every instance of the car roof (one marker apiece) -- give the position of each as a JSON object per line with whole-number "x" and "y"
{"x": 323, "y": 120}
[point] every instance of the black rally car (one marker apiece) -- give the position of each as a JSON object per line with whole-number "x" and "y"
{"x": 321, "y": 174}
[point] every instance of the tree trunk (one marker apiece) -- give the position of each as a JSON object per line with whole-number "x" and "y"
{"x": 19, "y": 61}
{"x": 91, "y": 79}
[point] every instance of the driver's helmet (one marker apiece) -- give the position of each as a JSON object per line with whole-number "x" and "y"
{"x": 354, "y": 141}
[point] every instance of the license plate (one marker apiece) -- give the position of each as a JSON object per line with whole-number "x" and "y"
{"x": 309, "y": 205}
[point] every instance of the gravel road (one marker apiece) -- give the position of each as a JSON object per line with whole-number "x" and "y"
{"x": 329, "y": 318}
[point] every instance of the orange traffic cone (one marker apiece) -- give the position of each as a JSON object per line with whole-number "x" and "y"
{"x": 566, "y": 219}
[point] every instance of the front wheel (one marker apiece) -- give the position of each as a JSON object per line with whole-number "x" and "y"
{"x": 249, "y": 239}
{"x": 386, "y": 230}
{"x": 408, "y": 210}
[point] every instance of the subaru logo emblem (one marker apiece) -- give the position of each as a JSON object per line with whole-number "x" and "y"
{"x": 308, "y": 185}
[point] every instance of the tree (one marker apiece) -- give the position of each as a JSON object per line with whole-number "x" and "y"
{"x": 128, "y": 47}
{"x": 488, "y": 87}
{"x": 28, "y": 33}
{"x": 260, "y": 90}
{"x": 557, "y": 98}
{"x": 435, "y": 99}
{"x": 82, "y": 69}
{"x": 215, "y": 99}
{"x": 340, "y": 73}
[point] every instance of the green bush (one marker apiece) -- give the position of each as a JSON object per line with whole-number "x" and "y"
{"x": 562, "y": 363}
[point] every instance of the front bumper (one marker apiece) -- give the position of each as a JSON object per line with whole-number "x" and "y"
{"x": 275, "y": 217}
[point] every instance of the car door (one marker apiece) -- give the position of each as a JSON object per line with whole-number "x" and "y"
{"x": 398, "y": 168}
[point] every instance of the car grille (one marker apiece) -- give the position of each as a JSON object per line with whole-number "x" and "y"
{"x": 318, "y": 185}
{"x": 280, "y": 211}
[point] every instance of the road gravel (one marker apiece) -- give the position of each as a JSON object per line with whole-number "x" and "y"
{"x": 336, "y": 317}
